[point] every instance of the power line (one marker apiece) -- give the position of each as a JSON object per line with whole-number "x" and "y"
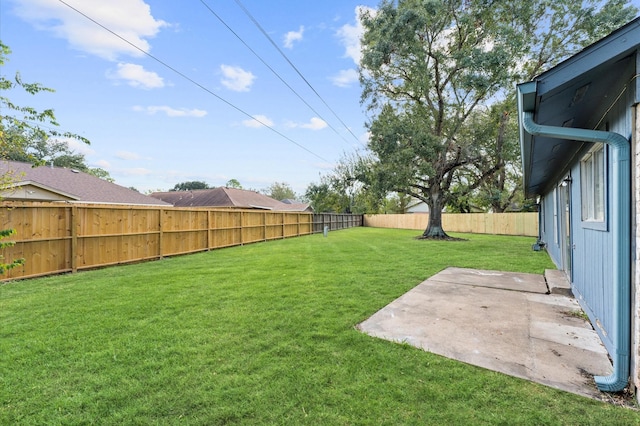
{"x": 270, "y": 68}
{"x": 181, "y": 74}
{"x": 262, "y": 30}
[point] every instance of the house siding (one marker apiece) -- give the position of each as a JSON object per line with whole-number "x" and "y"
{"x": 591, "y": 273}
{"x": 548, "y": 228}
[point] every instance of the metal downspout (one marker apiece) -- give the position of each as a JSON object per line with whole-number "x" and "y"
{"x": 621, "y": 230}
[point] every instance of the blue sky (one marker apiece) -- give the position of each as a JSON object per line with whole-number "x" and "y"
{"x": 151, "y": 127}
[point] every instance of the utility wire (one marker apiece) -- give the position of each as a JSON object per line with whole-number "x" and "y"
{"x": 270, "y": 68}
{"x": 262, "y": 30}
{"x": 181, "y": 74}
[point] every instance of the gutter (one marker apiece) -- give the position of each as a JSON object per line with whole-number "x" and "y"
{"x": 621, "y": 230}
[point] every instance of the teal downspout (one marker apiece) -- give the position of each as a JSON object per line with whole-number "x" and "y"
{"x": 621, "y": 230}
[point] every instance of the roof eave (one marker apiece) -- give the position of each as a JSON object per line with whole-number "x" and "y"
{"x": 44, "y": 187}
{"x": 616, "y": 45}
{"x": 526, "y": 103}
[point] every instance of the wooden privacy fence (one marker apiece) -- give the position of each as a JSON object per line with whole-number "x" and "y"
{"x": 335, "y": 221}
{"x": 525, "y": 224}
{"x": 55, "y": 238}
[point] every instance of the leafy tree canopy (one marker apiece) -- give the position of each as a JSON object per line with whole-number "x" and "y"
{"x": 280, "y": 191}
{"x": 190, "y": 186}
{"x": 233, "y": 183}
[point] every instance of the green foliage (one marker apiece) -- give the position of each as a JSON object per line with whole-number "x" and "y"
{"x": 37, "y": 148}
{"x": 190, "y": 186}
{"x": 396, "y": 203}
{"x": 4, "y": 233}
{"x": 280, "y": 191}
{"x": 102, "y": 174}
{"x": 233, "y": 183}
{"x": 326, "y": 199}
{"x": 344, "y": 190}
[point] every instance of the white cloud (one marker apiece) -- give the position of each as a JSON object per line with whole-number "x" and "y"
{"x": 314, "y": 124}
{"x": 293, "y": 36}
{"x": 103, "y": 164}
{"x": 171, "y": 112}
{"x": 345, "y": 78}
{"x": 350, "y": 35}
{"x": 78, "y": 146}
{"x": 131, "y": 19}
{"x": 236, "y": 79}
{"x": 137, "y": 76}
{"x": 136, "y": 171}
{"x": 258, "y": 121}
{"x": 127, "y": 155}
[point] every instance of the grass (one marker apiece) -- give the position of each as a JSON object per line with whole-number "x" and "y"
{"x": 260, "y": 334}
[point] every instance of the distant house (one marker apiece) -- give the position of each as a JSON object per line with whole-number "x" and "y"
{"x": 297, "y": 205}
{"x": 228, "y": 197}
{"x": 580, "y": 139}
{"x": 46, "y": 183}
{"x": 416, "y": 206}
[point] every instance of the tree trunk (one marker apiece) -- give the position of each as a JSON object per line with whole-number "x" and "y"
{"x": 434, "y": 229}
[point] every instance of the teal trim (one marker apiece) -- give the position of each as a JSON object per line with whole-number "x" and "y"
{"x": 620, "y": 228}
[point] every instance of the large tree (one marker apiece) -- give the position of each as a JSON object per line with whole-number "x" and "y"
{"x": 431, "y": 68}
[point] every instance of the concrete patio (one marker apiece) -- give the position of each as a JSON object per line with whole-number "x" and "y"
{"x": 513, "y": 323}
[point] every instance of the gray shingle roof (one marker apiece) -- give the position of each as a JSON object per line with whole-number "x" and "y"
{"x": 226, "y": 197}
{"x": 81, "y": 186}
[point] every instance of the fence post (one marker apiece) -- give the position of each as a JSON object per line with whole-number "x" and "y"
{"x": 241, "y": 227}
{"x": 264, "y": 226}
{"x": 160, "y": 234}
{"x": 74, "y": 239}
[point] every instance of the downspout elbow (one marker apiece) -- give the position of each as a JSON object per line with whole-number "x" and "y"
{"x": 617, "y": 141}
{"x": 621, "y": 230}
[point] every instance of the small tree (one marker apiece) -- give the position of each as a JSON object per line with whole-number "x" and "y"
{"x": 280, "y": 191}
{"x": 190, "y": 186}
{"x": 233, "y": 183}
{"x": 324, "y": 198}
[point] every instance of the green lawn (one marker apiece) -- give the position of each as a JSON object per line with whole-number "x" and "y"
{"x": 260, "y": 334}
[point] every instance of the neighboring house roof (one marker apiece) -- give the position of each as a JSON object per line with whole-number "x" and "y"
{"x": 576, "y": 93}
{"x": 45, "y": 183}
{"x": 226, "y": 197}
